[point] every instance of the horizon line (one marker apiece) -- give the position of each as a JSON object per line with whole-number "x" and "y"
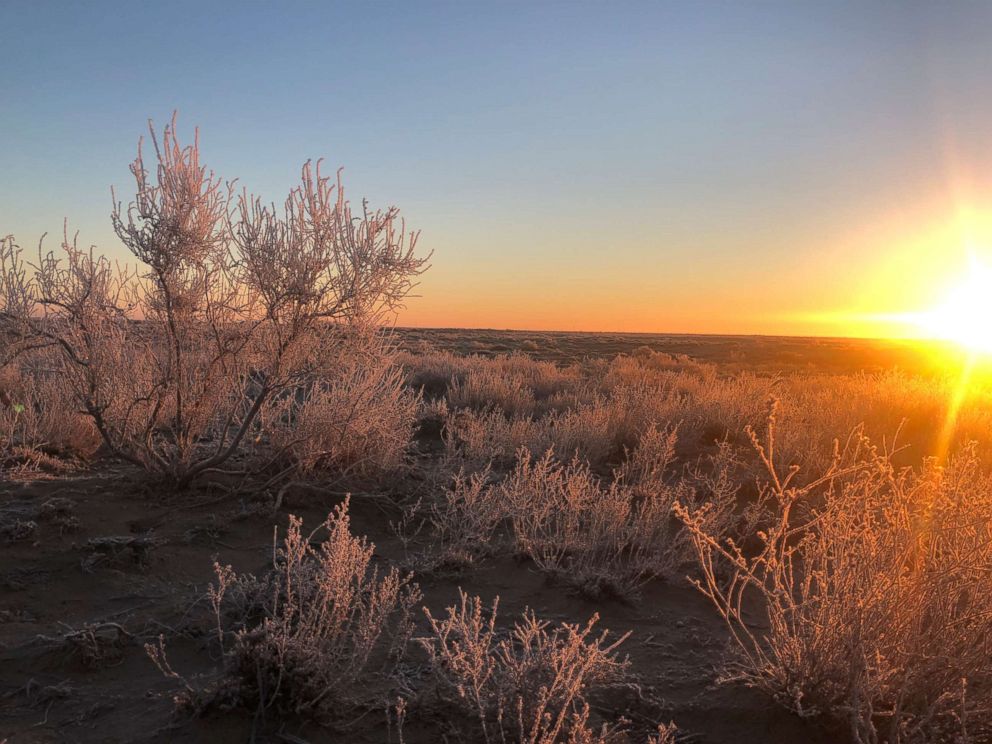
{"x": 910, "y": 339}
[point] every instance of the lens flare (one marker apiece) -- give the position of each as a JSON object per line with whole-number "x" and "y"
{"x": 965, "y": 315}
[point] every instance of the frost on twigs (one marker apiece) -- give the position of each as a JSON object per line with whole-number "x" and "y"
{"x": 318, "y": 634}
{"x": 231, "y": 302}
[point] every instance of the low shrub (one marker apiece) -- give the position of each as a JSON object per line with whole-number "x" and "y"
{"x": 607, "y": 539}
{"x": 529, "y": 687}
{"x": 491, "y": 437}
{"x": 317, "y": 634}
{"x": 466, "y": 519}
{"x": 490, "y": 387}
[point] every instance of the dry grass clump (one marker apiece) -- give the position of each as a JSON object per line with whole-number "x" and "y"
{"x": 543, "y": 377}
{"x": 596, "y": 410}
{"x": 646, "y": 367}
{"x": 610, "y": 538}
{"x": 602, "y": 430}
{"x": 512, "y": 383}
{"x": 710, "y": 407}
{"x": 596, "y": 537}
{"x": 490, "y": 387}
{"x": 356, "y": 419}
{"x": 491, "y": 437}
{"x": 596, "y": 432}
{"x": 711, "y": 485}
{"x": 314, "y": 635}
{"x": 646, "y": 467}
{"x": 530, "y": 686}
{"x": 719, "y": 408}
{"x": 38, "y": 413}
{"x": 432, "y": 370}
{"x": 876, "y": 589}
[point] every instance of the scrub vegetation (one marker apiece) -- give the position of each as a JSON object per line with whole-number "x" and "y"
{"x": 234, "y": 505}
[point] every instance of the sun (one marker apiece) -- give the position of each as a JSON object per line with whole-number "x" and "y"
{"x": 965, "y": 315}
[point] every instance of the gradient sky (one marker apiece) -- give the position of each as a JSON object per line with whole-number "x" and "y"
{"x": 796, "y": 168}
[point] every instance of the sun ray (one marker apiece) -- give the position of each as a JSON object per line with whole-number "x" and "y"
{"x": 946, "y": 438}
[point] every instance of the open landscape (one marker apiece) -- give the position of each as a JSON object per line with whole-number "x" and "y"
{"x": 495, "y": 372}
{"x": 613, "y": 483}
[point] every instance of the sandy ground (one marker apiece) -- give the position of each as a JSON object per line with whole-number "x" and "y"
{"x": 52, "y": 584}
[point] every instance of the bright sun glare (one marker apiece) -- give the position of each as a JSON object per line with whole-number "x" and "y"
{"x": 965, "y": 315}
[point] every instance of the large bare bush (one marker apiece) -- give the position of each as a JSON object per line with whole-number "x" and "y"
{"x": 230, "y": 302}
{"x": 875, "y": 591}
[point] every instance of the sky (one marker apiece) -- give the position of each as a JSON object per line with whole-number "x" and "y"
{"x": 792, "y": 168}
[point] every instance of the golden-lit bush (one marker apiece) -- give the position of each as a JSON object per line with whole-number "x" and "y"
{"x": 876, "y": 591}
{"x": 922, "y": 416}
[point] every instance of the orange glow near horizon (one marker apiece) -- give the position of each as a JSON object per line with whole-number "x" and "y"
{"x": 887, "y": 280}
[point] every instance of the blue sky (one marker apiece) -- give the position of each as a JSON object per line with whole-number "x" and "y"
{"x": 737, "y": 167}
